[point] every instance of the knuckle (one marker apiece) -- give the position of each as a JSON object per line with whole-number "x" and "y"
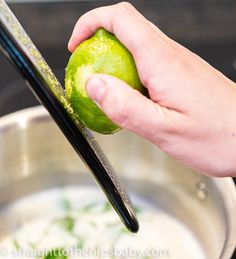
{"x": 125, "y": 4}
{"x": 125, "y": 7}
{"x": 122, "y": 116}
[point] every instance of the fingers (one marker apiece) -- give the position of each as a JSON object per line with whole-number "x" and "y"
{"x": 125, "y": 106}
{"x": 129, "y": 26}
{"x": 118, "y": 19}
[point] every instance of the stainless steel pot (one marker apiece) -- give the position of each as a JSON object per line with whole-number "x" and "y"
{"x": 34, "y": 156}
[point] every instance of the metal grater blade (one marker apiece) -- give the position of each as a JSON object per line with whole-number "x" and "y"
{"x": 9, "y": 21}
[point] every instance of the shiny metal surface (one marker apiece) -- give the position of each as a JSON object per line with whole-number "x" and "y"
{"x": 34, "y": 155}
{"x": 23, "y": 54}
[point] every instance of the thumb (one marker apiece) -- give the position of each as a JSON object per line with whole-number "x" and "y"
{"x": 125, "y": 106}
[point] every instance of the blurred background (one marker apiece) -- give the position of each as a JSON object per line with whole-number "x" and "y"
{"x": 207, "y": 27}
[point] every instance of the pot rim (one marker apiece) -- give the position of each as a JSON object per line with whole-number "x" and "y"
{"x": 21, "y": 118}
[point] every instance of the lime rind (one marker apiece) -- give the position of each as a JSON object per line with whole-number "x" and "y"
{"x": 95, "y": 118}
{"x": 82, "y": 75}
{"x": 102, "y": 53}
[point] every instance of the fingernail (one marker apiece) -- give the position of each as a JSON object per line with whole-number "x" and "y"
{"x": 69, "y": 45}
{"x": 96, "y": 89}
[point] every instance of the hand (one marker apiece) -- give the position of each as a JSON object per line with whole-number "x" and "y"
{"x": 191, "y": 113}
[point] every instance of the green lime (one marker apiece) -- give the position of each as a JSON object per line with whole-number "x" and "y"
{"x": 102, "y": 53}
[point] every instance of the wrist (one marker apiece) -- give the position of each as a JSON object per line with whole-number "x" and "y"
{"x": 230, "y": 150}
